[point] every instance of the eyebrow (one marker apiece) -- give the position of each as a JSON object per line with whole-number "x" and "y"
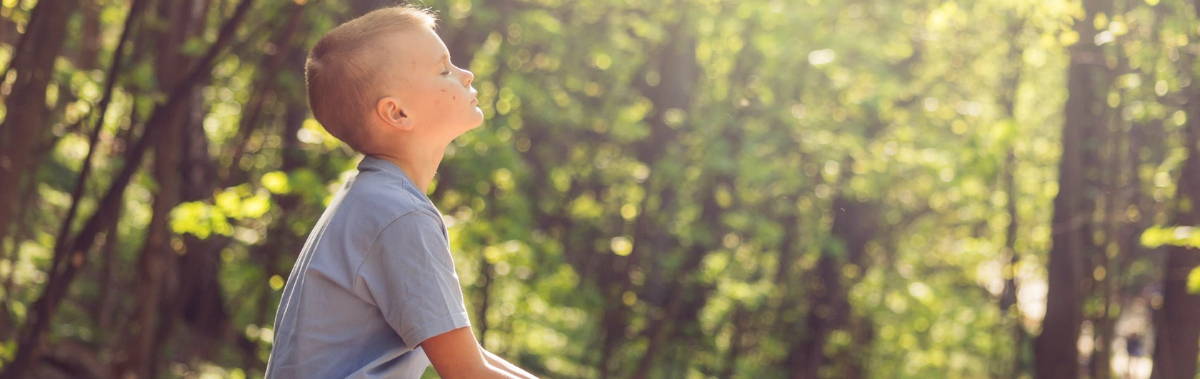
{"x": 444, "y": 58}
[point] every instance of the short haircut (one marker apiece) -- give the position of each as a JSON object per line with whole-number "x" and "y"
{"x": 339, "y": 74}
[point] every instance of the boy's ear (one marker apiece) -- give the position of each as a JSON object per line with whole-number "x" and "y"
{"x": 390, "y": 111}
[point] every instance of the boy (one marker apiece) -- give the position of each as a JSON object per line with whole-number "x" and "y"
{"x": 374, "y": 293}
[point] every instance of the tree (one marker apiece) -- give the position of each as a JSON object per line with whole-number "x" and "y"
{"x": 1056, "y": 355}
{"x": 1177, "y": 337}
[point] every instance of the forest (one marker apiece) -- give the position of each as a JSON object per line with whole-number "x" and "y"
{"x": 660, "y": 189}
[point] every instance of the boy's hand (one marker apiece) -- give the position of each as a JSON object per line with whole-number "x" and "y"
{"x": 456, "y": 354}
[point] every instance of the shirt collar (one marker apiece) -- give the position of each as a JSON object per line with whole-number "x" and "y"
{"x": 372, "y": 163}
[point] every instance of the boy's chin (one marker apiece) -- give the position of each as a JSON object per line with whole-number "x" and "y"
{"x": 478, "y": 120}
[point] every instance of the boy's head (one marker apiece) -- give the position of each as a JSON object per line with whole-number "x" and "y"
{"x": 384, "y": 80}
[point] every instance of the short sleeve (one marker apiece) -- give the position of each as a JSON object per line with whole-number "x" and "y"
{"x": 409, "y": 275}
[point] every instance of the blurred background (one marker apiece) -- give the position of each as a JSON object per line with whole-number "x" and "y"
{"x": 662, "y": 189}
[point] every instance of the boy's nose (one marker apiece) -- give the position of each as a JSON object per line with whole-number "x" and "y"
{"x": 468, "y": 77}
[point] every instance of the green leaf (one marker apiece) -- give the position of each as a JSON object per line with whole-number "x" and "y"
{"x": 196, "y": 218}
{"x": 229, "y": 202}
{"x": 256, "y": 206}
{"x": 143, "y": 78}
{"x": 1193, "y": 281}
{"x": 1175, "y": 236}
{"x": 194, "y": 47}
{"x": 276, "y": 182}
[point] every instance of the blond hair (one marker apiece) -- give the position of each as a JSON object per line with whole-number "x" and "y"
{"x": 339, "y": 71}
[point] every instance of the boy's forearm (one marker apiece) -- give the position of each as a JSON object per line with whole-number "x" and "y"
{"x": 484, "y": 371}
{"x": 501, "y": 364}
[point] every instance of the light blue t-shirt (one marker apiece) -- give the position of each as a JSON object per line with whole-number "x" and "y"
{"x": 375, "y": 278}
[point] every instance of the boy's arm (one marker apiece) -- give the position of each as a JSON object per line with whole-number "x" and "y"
{"x": 502, "y": 364}
{"x": 456, "y": 354}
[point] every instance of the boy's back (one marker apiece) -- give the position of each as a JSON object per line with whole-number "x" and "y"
{"x": 375, "y": 278}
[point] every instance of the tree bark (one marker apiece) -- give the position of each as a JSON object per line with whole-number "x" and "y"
{"x": 157, "y": 259}
{"x": 25, "y": 125}
{"x": 265, "y": 91}
{"x": 677, "y": 62}
{"x": 1177, "y": 332}
{"x": 70, "y": 257}
{"x": 829, "y": 304}
{"x": 89, "y": 52}
{"x": 1055, "y": 353}
{"x": 1119, "y": 190}
{"x": 739, "y": 324}
{"x": 1009, "y": 306}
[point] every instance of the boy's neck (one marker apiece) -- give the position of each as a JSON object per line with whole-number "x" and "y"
{"x": 419, "y": 165}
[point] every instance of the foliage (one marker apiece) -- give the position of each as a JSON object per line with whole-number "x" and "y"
{"x": 670, "y": 189}
{"x": 1185, "y": 236}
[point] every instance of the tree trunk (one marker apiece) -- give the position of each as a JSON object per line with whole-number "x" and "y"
{"x": 1119, "y": 191}
{"x": 1055, "y": 353}
{"x": 1177, "y": 332}
{"x": 157, "y": 260}
{"x": 71, "y": 256}
{"x": 676, "y": 61}
{"x": 197, "y": 300}
{"x": 1009, "y": 306}
{"x": 25, "y": 125}
{"x": 89, "y": 51}
{"x": 829, "y": 304}
{"x": 739, "y": 324}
